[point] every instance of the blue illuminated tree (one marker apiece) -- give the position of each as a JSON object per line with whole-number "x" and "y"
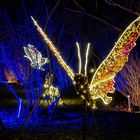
{"x": 18, "y": 31}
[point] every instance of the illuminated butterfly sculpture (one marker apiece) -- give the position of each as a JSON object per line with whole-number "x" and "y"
{"x": 102, "y": 82}
{"x": 35, "y": 57}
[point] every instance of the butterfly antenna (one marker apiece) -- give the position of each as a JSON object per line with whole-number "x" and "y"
{"x": 86, "y": 62}
{"x": 79, "y": 57}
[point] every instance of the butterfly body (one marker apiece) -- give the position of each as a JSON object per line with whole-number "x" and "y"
{"x": 81, "y": 84}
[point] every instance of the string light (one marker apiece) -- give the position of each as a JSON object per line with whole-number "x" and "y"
{"x": 19, "y": 108}
{"x": 79, "y": 57}
{"x": 87, "y": 52}
{"x": 88, "y": 104}
{"x": 92, "y": 70}
{"x": 54, "y": 50}
{"x": 82, "y": 97}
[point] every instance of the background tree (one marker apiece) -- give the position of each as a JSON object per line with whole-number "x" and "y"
{"x": 128, "y": 80}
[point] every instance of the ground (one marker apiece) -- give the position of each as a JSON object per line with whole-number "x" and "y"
{"x": 67, "y": 123}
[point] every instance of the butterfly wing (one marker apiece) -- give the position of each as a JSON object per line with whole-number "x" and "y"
{"x": 103, "y": 79}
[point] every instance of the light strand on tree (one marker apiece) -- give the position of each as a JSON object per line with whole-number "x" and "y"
{"x": 54, "y": 50}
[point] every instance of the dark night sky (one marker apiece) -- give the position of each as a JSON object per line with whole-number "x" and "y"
{"x": 92, "y": 14}
{"x": 99, "y": 22}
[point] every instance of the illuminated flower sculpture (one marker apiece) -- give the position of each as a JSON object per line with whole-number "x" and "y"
{"x": 51, "y": 93}
{"x": 35, "y": 57}
{"x": 102, "y": 82}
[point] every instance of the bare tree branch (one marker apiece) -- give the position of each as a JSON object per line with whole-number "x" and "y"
{"x": 48, "y": 18}
{"x": 130, "y": 85}
{"x": 95, "y": 17}
{"x": 78, "y": 5}
{"x": 110, "y": 2}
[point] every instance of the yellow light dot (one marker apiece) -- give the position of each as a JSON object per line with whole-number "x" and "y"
{"x": 82, "y": 97}
{"x": 84, "y": 91}
{"x": 92, "y": 70}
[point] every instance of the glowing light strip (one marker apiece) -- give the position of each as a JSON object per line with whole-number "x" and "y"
{"x": 79, "y": 57}
{"x": 87, "y": 52}
{"x": 117, "y": 43}
{"x": 97, "y": 97}
{"x": 19, "y": 109}
{"x": 54, "y": 50}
